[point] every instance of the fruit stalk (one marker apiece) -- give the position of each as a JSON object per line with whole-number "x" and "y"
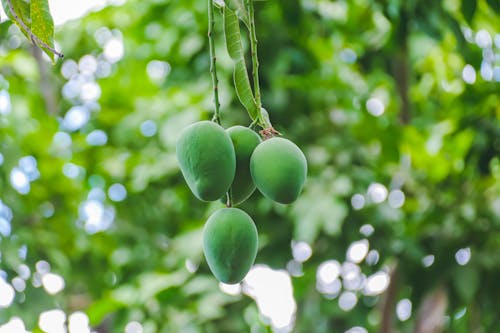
{"x": 213, "y": 60}
{"x": 265, "y": 123}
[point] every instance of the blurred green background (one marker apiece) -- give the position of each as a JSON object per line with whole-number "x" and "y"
{"x": 396, "y": 105}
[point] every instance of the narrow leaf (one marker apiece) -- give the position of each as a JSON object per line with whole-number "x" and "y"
{"x": 494, "y": 4}
{"x": 233, "y": 35}
{"x": 243, "y": 89}
{"x": 239, "y": 7}
{"x": 468, "y": 9}
{"x": 42, "y": 24}
{"x": 235, "y": 50}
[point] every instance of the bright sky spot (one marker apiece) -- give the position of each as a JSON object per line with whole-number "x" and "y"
{"x": 230, "y": 289}
{"x": 403, "y": 309}
{"x": 52, "y": 283}
{"x": 23, "y": 271}
{"x": 357, "y": 329}
{"x": 42, "y": 267}
{"x": 72, "y": 171}
{"x": 148, "y": 128}
{"x": 375, "y": 106}
{"x": 377, "y": 193}
{"x": 157, "y": 70}
{"x": 372, "y": 257}
{"x": 396, "y": 198}
{"x": 5, "y": 105}
{"x": 350, "y": 270}
{"x": 367, "y": 230}
{"x": 486, "y": 71}
{"x": 348, "y": 300}
{"x": 469, "y": 74}
{"x": 19, "y": 181}
{"x": 294, "y": 268}
{"x": 483, "y": 39}
{"x": 14, "y": 325}
{"x": 52, "y": 321}
{"x": 97, "y": 217}
{"x": 4, "y": 227}
{"x": 87, "y": 64}
{"x": 117, "y": 192}
{"x": 376, "y": 284}
{"x": 358, "y": 201}
{"x": 191, "y": 266}
{"x": 97, "y": 138}
{"x": 328, "y": 271}
{"x": 463, "y": 256}
{"x": 427, "y": 261}
{"x": 133, "y": 327}
{"x": 18, "y": 284}
{"x": 7, "y": 294}
{"x": 301, "y": 251}
{"x": 273, "y": 293}
{"x": 357, "y": 251}
{"x": 114, "y": 49}
{"x": 329, "y": 290}
{"x": 78, "y": 322}
{"x": 64, "y": 10}
{"x": 76, "y": 118}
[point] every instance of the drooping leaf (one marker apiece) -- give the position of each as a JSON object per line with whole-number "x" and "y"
{"x": 239, "y": 8}
{"x": 243, "y": 89}
{"x": 468, "y": 9}
{"x": 494, "y": 4}
{"x": 42, "y": 24}
{"x": 235, "y": 50}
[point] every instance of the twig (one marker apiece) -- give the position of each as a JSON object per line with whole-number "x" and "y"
{"x": 34, "y": 38}
{"x": 264, "y": 121}
{"x": 430, "y": 318}
{"x": 389, "y": 301}
{"x": 213, "y": 60}
{"x": 46, "y": 87}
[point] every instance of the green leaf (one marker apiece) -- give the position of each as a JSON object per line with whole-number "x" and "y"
{"x": 243, "y": 89}
{"x": 21, "y": 12}
{"x": 239, "y": 8}
{"x": 42, "y": 24}
{"x": 468, "y": 9}
{"x": 233, "y": 34}
{"x": 494, "y": 4}
{"x": 235, "y": 50}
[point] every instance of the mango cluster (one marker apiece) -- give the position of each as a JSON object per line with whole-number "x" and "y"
{"x": 218, "y": 163}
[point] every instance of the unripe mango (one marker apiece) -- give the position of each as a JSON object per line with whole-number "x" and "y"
{"x": 207, "y": 159}
{"x": 279, "y": 169}
{"x": 244, "y": 141}
{"x": 230, "y": 244}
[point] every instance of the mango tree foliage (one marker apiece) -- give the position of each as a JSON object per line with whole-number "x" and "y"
{"x": 395, "y": 104}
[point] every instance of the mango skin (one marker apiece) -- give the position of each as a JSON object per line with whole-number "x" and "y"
{"x": 230, "y": 243}
{"x": 279, "y": 169}
{"x": 244, "y": 141}
{"x": 207, "y": 159}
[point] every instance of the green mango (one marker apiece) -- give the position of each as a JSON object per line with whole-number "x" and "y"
{"x": 279, "y": 169}
{"x": 244, "y": 141}
{"x": 207, "y": 160}
{"x": 230, "y": 244}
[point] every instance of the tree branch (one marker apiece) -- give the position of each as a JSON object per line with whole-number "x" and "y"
{"x": 46, "y": 88}
{"x": 213, "y": 59}
{"x": 431, "y": 312}
{"x": 389, "y": 302}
